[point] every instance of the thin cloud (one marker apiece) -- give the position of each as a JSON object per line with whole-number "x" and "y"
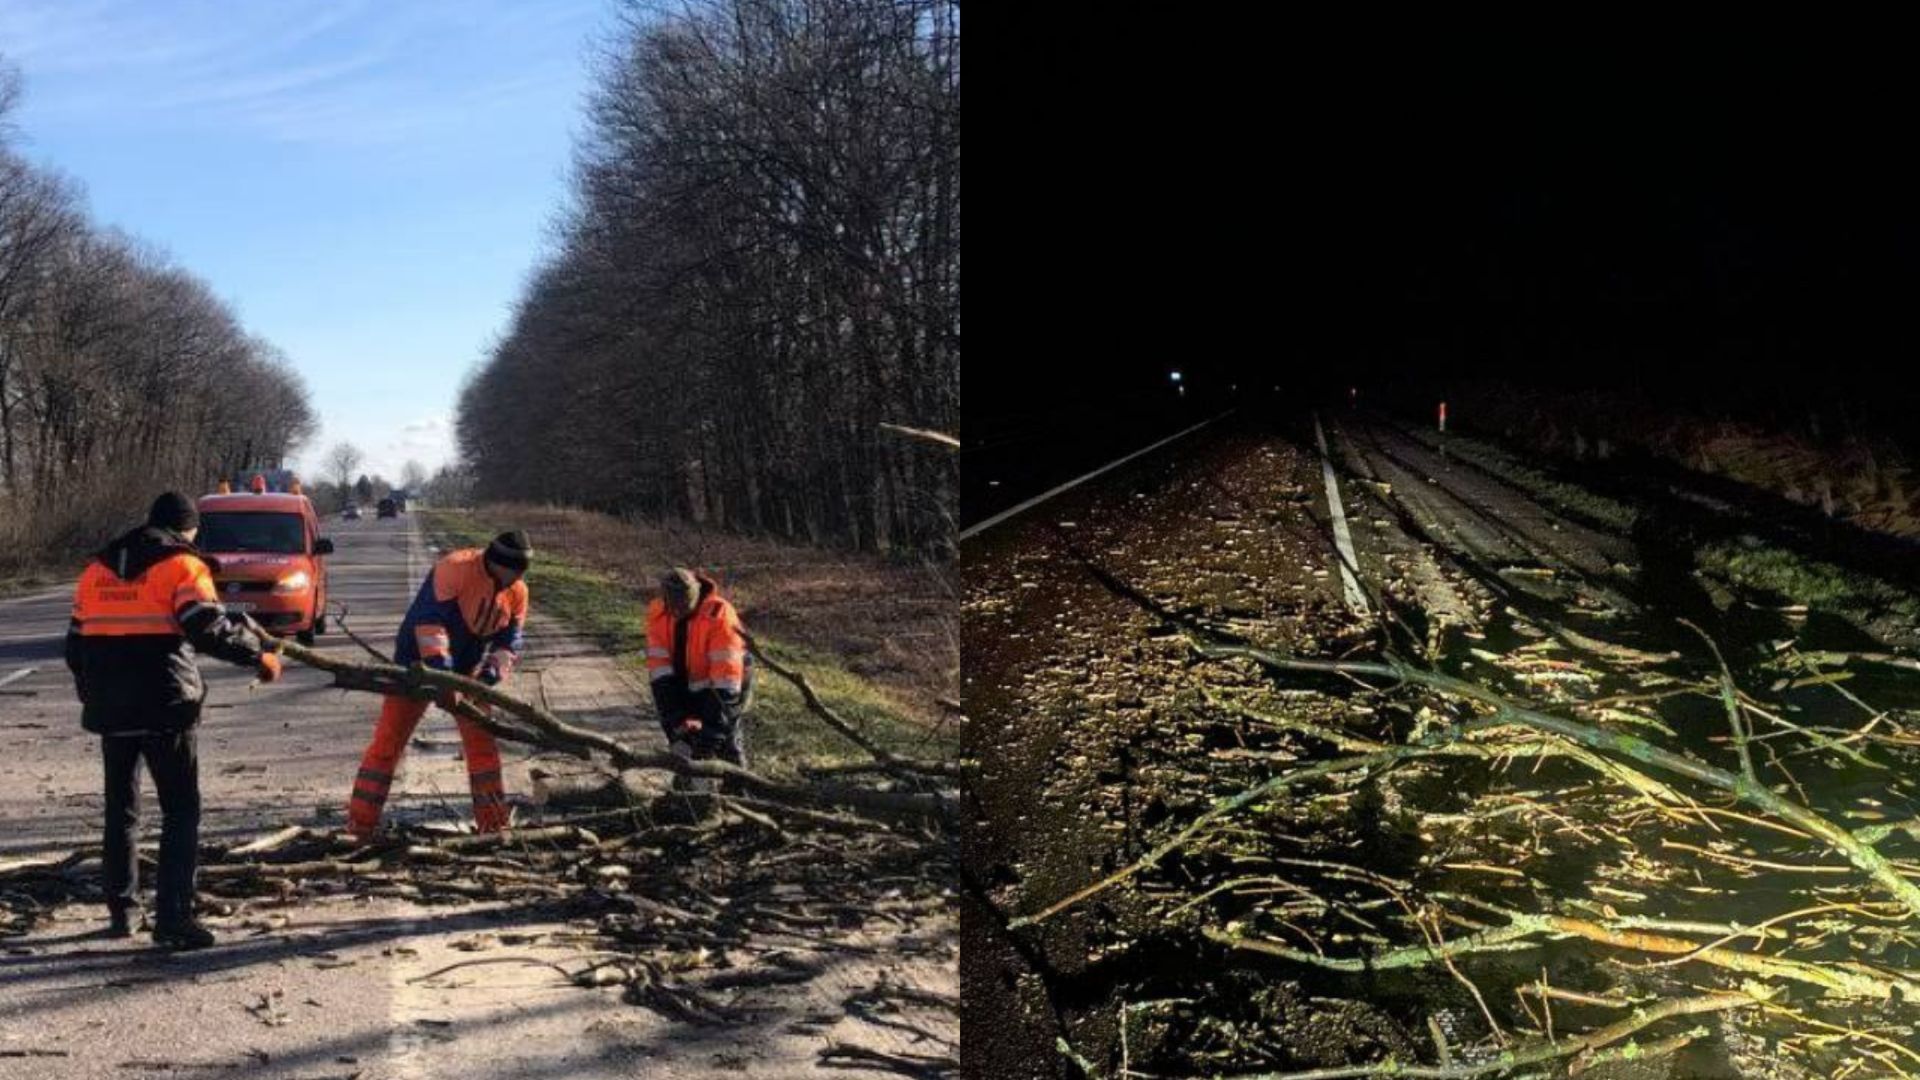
{"x": 333, "y": 73}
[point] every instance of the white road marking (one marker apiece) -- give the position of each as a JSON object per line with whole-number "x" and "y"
{"x": 1342, "y": 539}
{"x": 62, "y": 592}
{"x": 982, "y": 526}
{"x": 16, "y": 676}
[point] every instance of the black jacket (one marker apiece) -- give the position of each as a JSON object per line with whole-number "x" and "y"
{"x": 145, "y": 682}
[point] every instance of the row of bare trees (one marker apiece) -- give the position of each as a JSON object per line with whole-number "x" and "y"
{"x": 759, "y": 272}
{"x": 120, "y": 373}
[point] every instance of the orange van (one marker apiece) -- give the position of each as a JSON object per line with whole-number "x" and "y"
{"x": 269, "y": 559}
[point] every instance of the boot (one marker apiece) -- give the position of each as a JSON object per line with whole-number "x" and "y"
{"x": 185, "y": 934}
{"x": 119, "y": 921}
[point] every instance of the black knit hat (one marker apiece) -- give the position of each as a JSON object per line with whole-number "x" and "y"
{"x": 682, "y": 583}
{"x": 173, "y": 511}
{"x": 511, "y": 549}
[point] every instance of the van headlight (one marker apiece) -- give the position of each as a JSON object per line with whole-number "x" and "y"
{"x": 293, "y": 583}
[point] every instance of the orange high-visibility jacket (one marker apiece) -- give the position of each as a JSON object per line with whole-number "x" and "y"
{"x": 141, "y": 608}
{"x": 715, "y": 655}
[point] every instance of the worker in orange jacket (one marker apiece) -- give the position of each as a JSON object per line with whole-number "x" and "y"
{"x": 698, "y": 665}
{"x": 142, "y": 608}
{"x": 469, "y": 617}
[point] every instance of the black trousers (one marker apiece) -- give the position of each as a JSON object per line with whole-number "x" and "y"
{"x": 175, "y": 766}
{"x": 722, "y": 721}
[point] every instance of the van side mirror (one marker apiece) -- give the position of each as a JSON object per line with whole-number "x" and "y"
{"x": 323, "y": 546}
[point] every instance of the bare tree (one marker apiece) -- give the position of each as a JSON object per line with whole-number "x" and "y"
{"x": 342, "y": 461}
{"x": 413, "y": 476}
{"x": 10, "y": 91}
{"x": 760, "y": 268}
{"x": 451, "y": 486}
{"x": 120, "y": 373}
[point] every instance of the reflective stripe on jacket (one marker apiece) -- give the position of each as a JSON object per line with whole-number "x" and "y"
{"x": 715, "y": 650}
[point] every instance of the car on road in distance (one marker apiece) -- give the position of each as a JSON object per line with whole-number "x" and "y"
{"x": 351, "y": 513}
{"x": 388, "y": 508}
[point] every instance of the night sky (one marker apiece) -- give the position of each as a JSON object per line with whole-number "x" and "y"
{"x": 1733, "y": 231}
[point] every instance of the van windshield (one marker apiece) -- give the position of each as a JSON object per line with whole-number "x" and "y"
{"x": 279, "y": 534}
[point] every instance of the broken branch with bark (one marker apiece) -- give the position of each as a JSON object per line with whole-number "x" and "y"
{"x": 536, "y": 726}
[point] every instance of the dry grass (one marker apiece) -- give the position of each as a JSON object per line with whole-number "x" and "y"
{"x": 42, "y": 546}
{"x": 1854, "y": 479}
{"x": 894, "y": 625}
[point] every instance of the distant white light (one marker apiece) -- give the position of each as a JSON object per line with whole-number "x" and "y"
{"x": 1175, "y": 376}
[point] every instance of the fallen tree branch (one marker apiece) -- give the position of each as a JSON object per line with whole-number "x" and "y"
{"x": 296, "y": 869}
{"x": 274, "y": 841}
{"x": 542, "y": 728}
{"x": 545, "y": 834}
{"x": 905, "y": 768}
{"x": 1593, "y": 1042}
{"x": 922, "y": 1065}
{"x": 1863, "y": 855}
{"x": 1729, "y": 699}
{"x": 564, "y": 973}
{"x": 1510, "y": 938}
{"x": 1847, "y": 980}
{"x": 1227, "y": 805}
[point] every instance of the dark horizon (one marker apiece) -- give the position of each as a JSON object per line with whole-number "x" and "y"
{"x": 1711, "y": 242}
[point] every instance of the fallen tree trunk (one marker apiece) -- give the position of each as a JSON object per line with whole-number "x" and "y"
{"x": 591, "y": 791}
{"x": 533, "y": 725}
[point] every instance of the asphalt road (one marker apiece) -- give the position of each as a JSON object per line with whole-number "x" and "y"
{"x": 333, "y": 988}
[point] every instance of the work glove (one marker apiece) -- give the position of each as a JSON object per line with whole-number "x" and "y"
{"x": 498, "y": 666}
{"x": 269, "y": 667}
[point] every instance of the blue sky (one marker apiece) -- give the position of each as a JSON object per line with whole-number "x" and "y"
{"x": 367, "y": 184}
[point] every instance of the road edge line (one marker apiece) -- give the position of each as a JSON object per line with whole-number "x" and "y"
{"x": 982, "y": 526}
{"x": 1342, "y": 538}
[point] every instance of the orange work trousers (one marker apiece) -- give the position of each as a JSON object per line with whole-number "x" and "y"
{"x": 398, "y": 716}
